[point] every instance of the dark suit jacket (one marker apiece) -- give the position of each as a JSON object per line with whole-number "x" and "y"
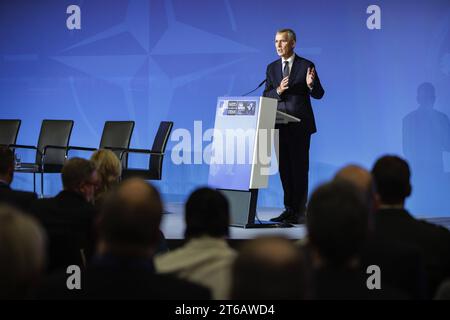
{"x": 295, "y": 100}
{"x": 68, "y": 220}
{"x": 19, "y": 199}
{"x": 401, "y": 266}
{"x": 123, "y": 278}
{"x": 341, "y": 284}
{"x": 432, "y": 241}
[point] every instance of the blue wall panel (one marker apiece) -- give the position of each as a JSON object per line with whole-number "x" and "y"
{"x": 170, "y": 60}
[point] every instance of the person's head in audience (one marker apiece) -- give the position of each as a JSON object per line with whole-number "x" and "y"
{"x": 80, "y": 176}
{"x": 207, "y": 214}
{"x": 22, "y": 253}
{"x": 269, "y": 268}
{"x": 443, "y": 292}
{"x": 363, "y": 180}
{"x": 109, "y": 170}
{"x": 391, "y": 175}
{"x": 6, "y": 165}
{"x": 130, "y": 219}
{"x": 337, "y": 224}
{"x": 357, "y": 175}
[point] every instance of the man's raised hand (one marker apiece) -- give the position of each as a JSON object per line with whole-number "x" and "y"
{"x": 310, "y": 77}
{"x": 284, "y": 85}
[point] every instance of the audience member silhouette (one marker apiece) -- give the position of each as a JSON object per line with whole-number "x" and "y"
{"x": 19, "y": 199}
{"x": 443, "y": 292}
{"x": 68, "y": 218}
{"x": 269, "y": 268}
{"x": 402, "y": 265}
{"x": 337, "y": 226}
{"x": 394, "y": 224}
{"x": 361, "y": 178}
{"x": 22, "y": 253}
{"x": 123, "y": 267}
{"x": 206, "y": 258}
{"x": 109, "y": 170}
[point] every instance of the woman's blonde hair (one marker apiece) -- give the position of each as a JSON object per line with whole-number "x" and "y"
{"x": 109, "y": 169}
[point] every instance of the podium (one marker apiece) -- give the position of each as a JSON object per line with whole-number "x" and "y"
{"x": 241, "y": 151}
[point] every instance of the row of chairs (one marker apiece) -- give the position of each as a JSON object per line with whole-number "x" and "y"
{"x": 53, "y": 147}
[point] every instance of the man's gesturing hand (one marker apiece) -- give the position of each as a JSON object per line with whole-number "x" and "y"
{"x": 283, "y": 85}
{"x": 310, "y": 76}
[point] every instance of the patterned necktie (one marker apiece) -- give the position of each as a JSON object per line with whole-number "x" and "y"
{"x": 286, "y": 69}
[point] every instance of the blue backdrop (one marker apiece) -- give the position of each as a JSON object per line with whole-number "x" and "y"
{"x": 169, "y": 60}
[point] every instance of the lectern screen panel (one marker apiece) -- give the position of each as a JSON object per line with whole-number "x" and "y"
{"x": 233, "y": 142}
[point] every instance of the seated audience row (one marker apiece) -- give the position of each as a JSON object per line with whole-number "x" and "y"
{"x": 112, "y": 231}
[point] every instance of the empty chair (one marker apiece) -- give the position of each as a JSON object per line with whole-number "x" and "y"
{"x": 116, "y": 135}
{"x": 51, "y": 149}
{"x": 9, "y": 129}
{"x": 154, "y": 171}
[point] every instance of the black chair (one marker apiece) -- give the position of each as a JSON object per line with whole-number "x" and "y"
{"x": 115, "y": 135}
{"x": 51, "y": 149}
{"x": 9, "y": 129}
{"x": 154, "y": 171}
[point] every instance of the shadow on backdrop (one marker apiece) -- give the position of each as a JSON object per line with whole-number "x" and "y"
{"x": 426, "y": 136}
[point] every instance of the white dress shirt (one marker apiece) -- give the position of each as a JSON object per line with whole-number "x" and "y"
{"x": 290, "y": 60}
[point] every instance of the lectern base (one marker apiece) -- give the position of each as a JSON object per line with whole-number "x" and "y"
{"x": 243, "y": 210}
{"x": 265, "y": 224}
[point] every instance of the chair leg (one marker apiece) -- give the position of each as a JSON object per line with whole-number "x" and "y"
{"x": 42, "y": 184}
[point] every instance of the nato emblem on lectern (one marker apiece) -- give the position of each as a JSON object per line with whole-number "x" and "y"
{"x": 239, "y": 108}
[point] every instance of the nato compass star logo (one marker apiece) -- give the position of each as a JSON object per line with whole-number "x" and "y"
{"x": 142, "y": 52}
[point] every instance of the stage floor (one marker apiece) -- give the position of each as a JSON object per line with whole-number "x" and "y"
{"x": 173, "y": 225}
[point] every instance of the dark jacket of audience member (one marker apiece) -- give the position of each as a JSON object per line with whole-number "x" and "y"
{"x": 68, "y": 218}
{"x": 394, "y": 224}
{"x": 123, "y": 268}
{"x": 337, "y": 224}
{"x": 402, "y": 266}
{"x": 19, "y": 199}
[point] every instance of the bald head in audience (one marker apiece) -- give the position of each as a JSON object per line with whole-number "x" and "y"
{"x": 357, "y": 175}
{"x": 269, "y": 268}
{"x": 130, "y": 219}
{"x": 337, "y": 223}
{"x": 362, "y": 179}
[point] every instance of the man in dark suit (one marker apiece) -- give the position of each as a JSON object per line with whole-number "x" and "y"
{"x": 292, "y": 80}
{"x": 394, "y": 224}
{"x": 19, "y": 199}
{"x": 338, "y": 228}
{"x": 401, "y": 264}
{"x": 123, "y": 267}
{"x": 68, "y": 218}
